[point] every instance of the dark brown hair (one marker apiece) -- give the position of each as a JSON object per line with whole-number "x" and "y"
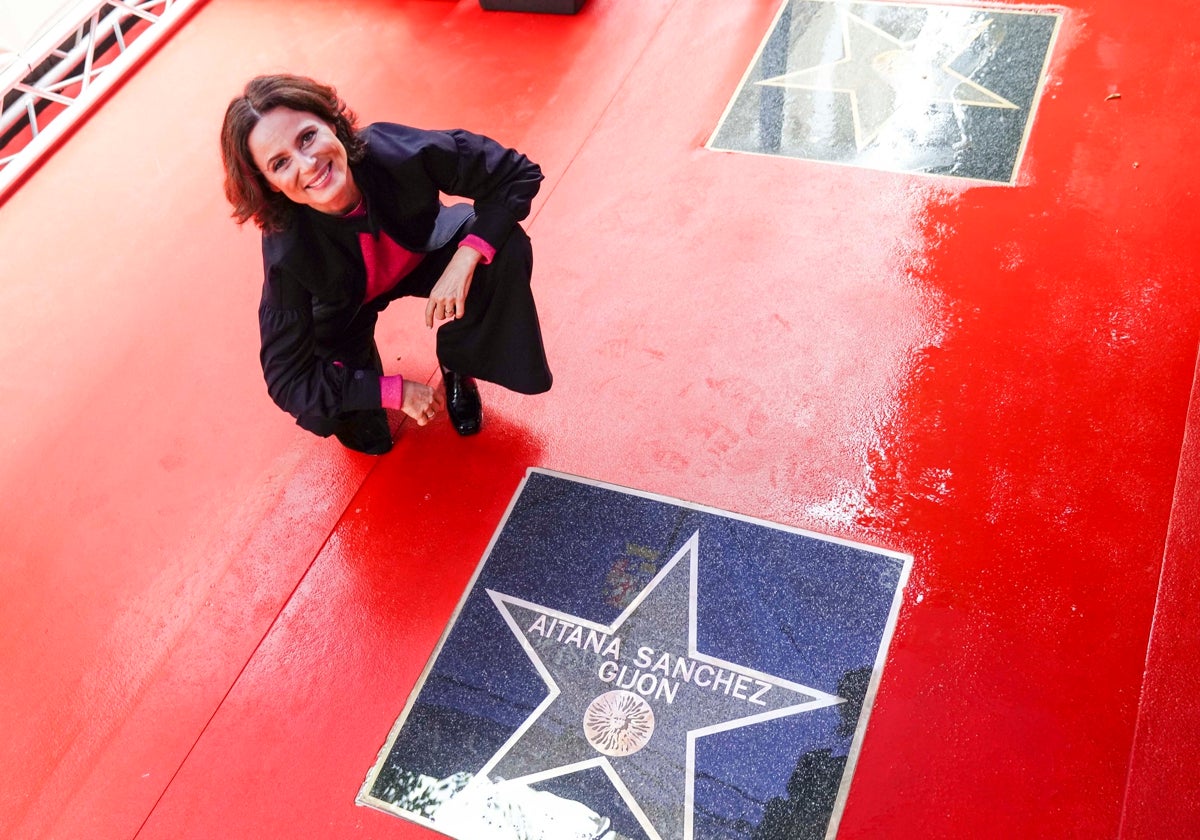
{"x": 245, "y": 187}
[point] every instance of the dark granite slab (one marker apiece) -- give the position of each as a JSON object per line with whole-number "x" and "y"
{"x": 943, "y": 90}
{"x": 627, "y": 665}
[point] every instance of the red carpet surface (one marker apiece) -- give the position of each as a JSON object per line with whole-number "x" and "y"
{"x": 210, "y": 619}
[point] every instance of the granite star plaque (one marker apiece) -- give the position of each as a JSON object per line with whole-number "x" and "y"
{"x": 935, "y": 89}
{"x": 625, "y": 665}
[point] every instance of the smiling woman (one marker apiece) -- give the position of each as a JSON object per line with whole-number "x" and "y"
{"x": 352, "y": 219}
{"x": 300, "y": 156}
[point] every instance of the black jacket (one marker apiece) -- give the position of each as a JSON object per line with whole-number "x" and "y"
{"x": 315, "y": 279}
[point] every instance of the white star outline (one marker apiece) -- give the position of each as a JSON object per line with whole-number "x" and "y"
{"x": 829, "y": 72}
{"x": 820, "y": 699}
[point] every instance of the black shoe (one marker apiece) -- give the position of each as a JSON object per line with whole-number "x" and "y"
{"x": 462, "y": 402}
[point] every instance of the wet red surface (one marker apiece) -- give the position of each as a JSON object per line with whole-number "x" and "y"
{"x": 211, "y": 620}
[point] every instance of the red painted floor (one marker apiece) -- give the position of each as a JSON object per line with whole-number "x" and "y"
{"x": 210, "y": 620}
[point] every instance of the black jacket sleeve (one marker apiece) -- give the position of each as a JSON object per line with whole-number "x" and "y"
{"x": 500, "y": 181}
{"x": 299, "y": 380}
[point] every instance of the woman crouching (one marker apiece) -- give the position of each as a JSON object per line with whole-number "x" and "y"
{"x": 351, "y": 220}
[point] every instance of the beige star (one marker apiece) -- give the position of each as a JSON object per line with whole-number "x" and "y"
{"x": 891, "y": 80}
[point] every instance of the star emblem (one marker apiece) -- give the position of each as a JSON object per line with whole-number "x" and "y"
{"x": 893, "y": 82}
{"x": 632, "y": 697}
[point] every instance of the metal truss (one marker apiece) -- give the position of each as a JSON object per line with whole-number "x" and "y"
{"x": 53, "y": 84}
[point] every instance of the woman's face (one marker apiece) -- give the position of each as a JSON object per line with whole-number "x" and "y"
{"x": 301, "y": 156}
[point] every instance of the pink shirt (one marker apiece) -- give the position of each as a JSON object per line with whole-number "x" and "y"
{"x": 387, "y": 264}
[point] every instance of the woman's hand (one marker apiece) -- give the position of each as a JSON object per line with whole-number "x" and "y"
{"x": 420, "y": 402}
{"x": 448, "y": 299}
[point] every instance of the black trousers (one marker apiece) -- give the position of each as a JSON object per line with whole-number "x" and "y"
{"x": 498, "y": 339}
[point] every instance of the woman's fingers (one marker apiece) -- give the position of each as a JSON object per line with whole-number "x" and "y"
{"x": 435, "y": 310}
{"x": 448, "y": 298}
{"x": 443, "y": 309}
{"x": 421, "y": 402}
{"x": 454, "y": 306}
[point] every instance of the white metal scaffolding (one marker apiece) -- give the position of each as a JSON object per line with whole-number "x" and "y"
{"x": 52, "y": 84}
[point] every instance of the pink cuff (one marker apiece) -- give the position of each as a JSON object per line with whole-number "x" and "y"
{"x": 473, "y": 241}
{"x": 391, "y": 391}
